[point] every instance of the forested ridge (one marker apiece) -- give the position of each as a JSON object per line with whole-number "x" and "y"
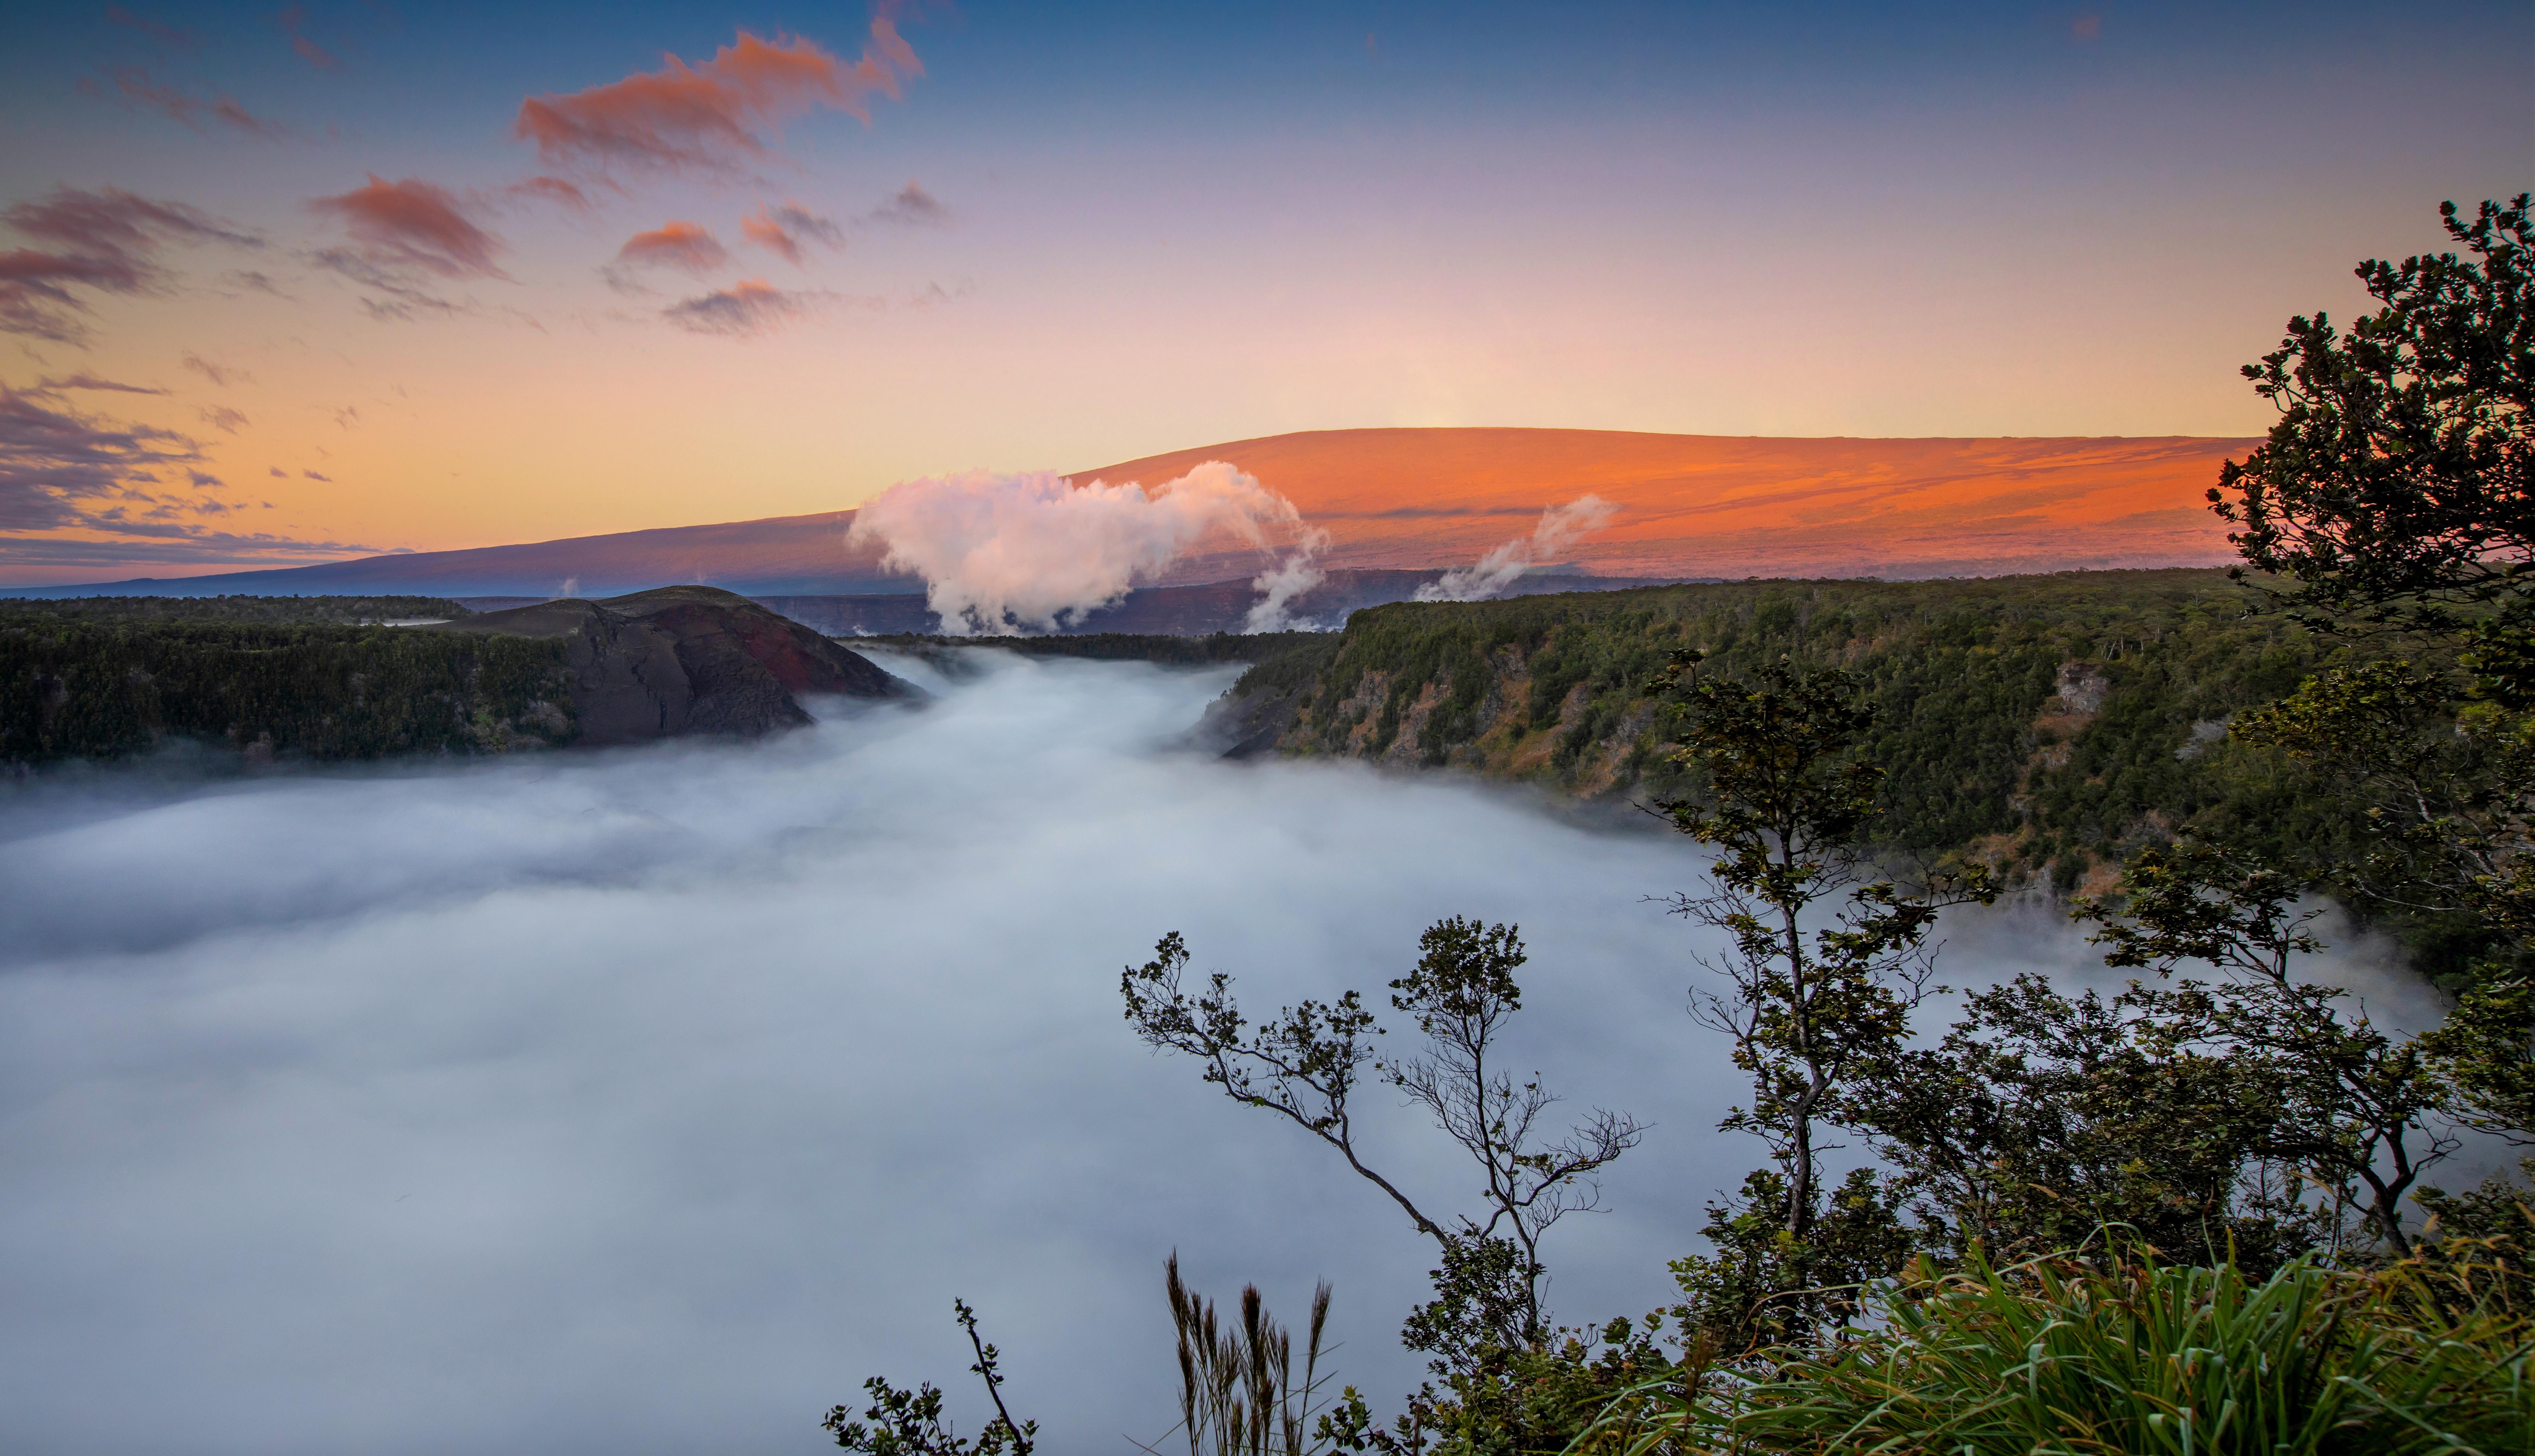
{"x": 105, "y": 678}
{"x": 2047, "y": 725}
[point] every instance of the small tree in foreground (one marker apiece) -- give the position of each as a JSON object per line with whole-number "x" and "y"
{"x": 1308, "y": 1064}
{"x": 2360, "y": 1107}
{"x": 1825, "y": 960}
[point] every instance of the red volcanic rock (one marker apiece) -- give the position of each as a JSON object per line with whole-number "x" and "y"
{"x": 719, "y": 630}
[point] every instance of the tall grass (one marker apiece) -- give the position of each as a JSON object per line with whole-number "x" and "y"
{"x": 1239, "y": 1395}
{"x": 2058, "y": 1358}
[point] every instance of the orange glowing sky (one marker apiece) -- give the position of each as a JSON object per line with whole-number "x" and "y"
{"x": 473, "y": 277}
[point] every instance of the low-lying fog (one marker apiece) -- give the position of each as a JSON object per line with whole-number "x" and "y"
{"x": 650, "y": 1100}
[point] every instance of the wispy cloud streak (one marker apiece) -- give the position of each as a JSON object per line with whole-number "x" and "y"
{"x": 781, "y": 230}
{"x": 712, "y": 116}
{"x": 106, "y": 240}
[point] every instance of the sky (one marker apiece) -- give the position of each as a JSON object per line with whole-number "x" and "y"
{"x": 281, "y": 285}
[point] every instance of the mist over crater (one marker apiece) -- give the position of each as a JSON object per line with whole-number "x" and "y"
{"x": 648, "y": 1100}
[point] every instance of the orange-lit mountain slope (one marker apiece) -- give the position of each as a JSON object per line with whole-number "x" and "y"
{"x": 1691, "y": 506}
{"x": 1721, "y": 506}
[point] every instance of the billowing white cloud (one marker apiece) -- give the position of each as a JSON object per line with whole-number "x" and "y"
{"x": 1008, "y": 553}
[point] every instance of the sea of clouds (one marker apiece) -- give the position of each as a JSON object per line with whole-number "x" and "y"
{"x": 650, "y": 1100}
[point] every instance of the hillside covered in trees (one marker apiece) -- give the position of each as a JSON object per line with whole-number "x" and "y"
{"x": 336, "y": 677}
{"x": 108, "y": 678}
{"x": 2045, "y": 725}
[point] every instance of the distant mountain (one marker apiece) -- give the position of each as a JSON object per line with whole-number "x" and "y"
{"x": 783, "y": 554}
{"x": 1726, "y": 508}
{"x": 1691, "y": 506}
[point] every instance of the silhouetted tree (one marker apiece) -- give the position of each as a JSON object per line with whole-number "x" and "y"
{"x": 1308, "y": 1064}
{"x": 908, "y": 1422}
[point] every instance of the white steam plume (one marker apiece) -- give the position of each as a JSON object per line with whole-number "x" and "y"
{"x": 1286, "y": 581}
{"x": 1003, "y": 553}
{"x": 1559, "y": 527}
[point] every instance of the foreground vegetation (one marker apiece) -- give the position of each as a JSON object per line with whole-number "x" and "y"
{"x": 2202, "y": 1214}
{"x": 2427, "y": 1358}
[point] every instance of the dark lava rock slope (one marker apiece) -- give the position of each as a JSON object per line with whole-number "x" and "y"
{"x": 688, "y": 660}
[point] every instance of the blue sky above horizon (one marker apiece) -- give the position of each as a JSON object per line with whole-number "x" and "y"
{"x": 1092, "y": 233}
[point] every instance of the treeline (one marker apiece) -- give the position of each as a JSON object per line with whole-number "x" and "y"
{"x": 271, "y": 677}
{"x": 2048, "y": 726}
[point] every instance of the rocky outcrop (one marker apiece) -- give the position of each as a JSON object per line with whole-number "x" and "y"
{"x": 686, "y": 660}
{"x": 1247, "y": 725}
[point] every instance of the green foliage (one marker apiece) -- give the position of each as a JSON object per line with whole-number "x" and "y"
{"x": 2497, "y": 1210}
{"x": 2394, "y": 487}
{"x": 1980, "y": 760}
{"x": 1515, "y": 1401}
{"x": 2427, "y": 1358}
{"x": 908, "y": 1422}
{"x": 75, "y": 686}
{"x": 1810, "y": 1003}
{"x": 1763, "y": 1285}
{"x": 2359, "y": 1109}
{"x": 2448, "y": 797}
{"x": 2041, "y": 1118}
{"x": 2393, "y": 495}
{"x": 2486, "y": 1051}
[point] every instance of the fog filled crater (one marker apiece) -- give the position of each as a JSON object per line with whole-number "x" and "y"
{"x": 648, "y": 1100}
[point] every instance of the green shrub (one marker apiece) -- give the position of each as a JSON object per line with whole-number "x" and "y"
{"x": 2425, "y": 1358}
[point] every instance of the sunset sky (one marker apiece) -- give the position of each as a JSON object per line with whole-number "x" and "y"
{"x": 285, "y": 286}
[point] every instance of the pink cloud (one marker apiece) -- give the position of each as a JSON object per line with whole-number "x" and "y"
{"x": 680, "y": 245}
{"x": 413, "y": 224}
{"x": 106, "y": 240}
{"x": 749, "y": 306}
{"x": 555, "y": 190}
{"x": 708, "y": 116}
{"x": 51, "y": 461}
{"x": 783, "y": 229}
{"x": 219, "y": 374}
{"x": 911, "y": 205}
{"x": 290, "y": 18}
{"x": 173, "y": 36}
{"x": 140, "y": 90}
